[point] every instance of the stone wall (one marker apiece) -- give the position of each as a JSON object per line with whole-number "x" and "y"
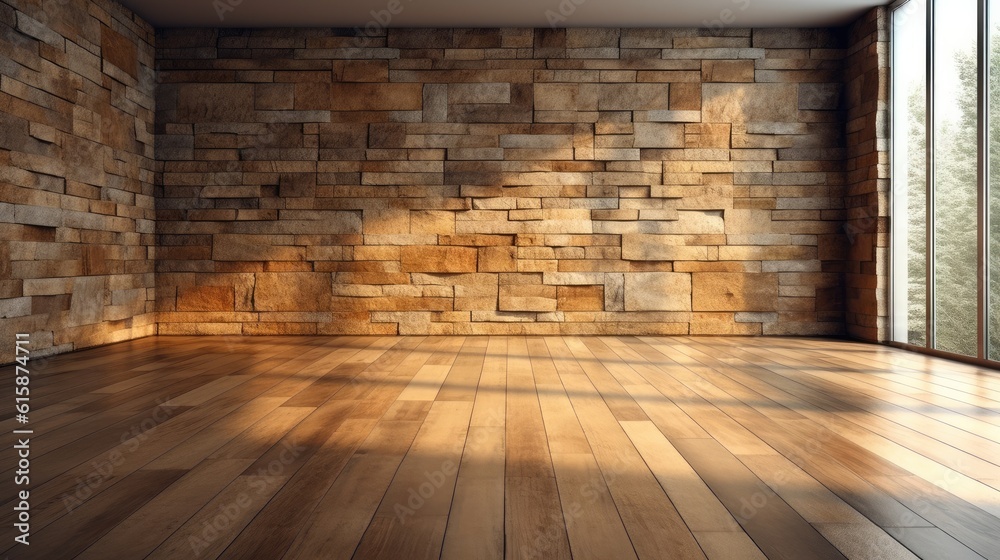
{"x": 867, "y": 165}
{"x": 590, "y": 181}
{"x": 76, "y": 174}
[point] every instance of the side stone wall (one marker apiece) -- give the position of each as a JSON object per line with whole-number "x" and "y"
{"x": 76, "y": 175}
{"x": 867, "y": 82}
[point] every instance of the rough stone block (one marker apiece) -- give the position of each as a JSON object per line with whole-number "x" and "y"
{"x": 498, "y": 259}
{"x": 657, "y": 291}
{"x": 819, "y": 97}
{"x": 293, "y": 291}
{"x": 528, "y": 297}
{"x": 479, "y": 93}
{"x": 377, "y": 97}
{"x": 434, "y": 222}
{"x": 658, "y": 135}
{"x": 232, "y": 247}
{"x": 580, "y": 298}
{"x": 735, "y": 292}
{"x": 699, "y": 135}
{"x": 742, "y": 103}
{"x": 563, "y": 97}
{"x": 671, "y": 116}
{"x": 206, "y": 298}
{"x": 640, "y": 247}
{"x": 311, "y": 96}
{"x": 438, "y": 259}
{"x": 721, "y": 324}
{"x": 727, "y": 71}
{"x": 87, "y": 301}
{"x": 435, "y": 103}
{"x": 211, "y": 103}
{"x": 592, "y": 37}
{"x": 784, "y": 38}
{"x": 632, "y": 97}
{"x": 685, "y": 97}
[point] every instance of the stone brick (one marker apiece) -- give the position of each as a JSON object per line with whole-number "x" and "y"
{"x": 632, "y": 97}
{"x": 685, "y": 97}
{"x": 580, "y": 298}
{"x": 201, "y": 103}
{"x": 671, "y": 116}
{"x": 707, "y": 135}
{"x": 526, "y": 297}
{"x": 726, "y": 71}
{"x": 312, "y": 96}
{"x": 721, "y": 324}
{"x": 641, "y": 247}
{"x": 479, "y": 93}
{"x": 206, "y": 298}
{"x": 376, "y": 97}
{"x": 741, "y": 103}
{"x": 659, "y": 135}
{"x": 735, "y": 292}
{"x": 436, "y": 222}
{"x": 435, "y": 103}
{"x": 783, "y": 38}
{"x": 38, "y": 30}
{"x": 591, "y": 37}
{"x": 823, "y": 97}
{"x": 293, "y": 291}
{"x": 87, "y": 301}
{"x": 232, "y": 247}
{"x": 120, "y": 51}
{"x": 438, "y": 259}
{"x": 498, "y": 259}
{"x": 657, "y": 291}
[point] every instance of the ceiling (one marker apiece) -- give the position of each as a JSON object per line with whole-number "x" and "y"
{"x": 500, "y": 13}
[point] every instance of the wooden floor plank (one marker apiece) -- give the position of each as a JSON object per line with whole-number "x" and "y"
{"x": 99, "y": 516}
{"x": 510, "y": 447}
{"x": 593, "y": 525}
{"x": 341, "y": 517}
{"x": 857, "y": 541}
{"x": 203, "y": 535}
{"x": 777, "y": 529}
{"x": 475, "y": 528}
{"x": 728, "y": 545}
{"x": 652, "y": 521}
{"x": 535, "y": 524}
{"x": 533, "y": 518}
{"x": 270, "y": 532}
{"x": 931, "y": 542}
{"x": 700, "y": 508}
{"x": 463, "y": 378}
{"x": 413, "y": 515}
{"x": 150, "y": 525}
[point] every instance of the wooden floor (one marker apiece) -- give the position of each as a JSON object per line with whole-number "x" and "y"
{"x": 508, "y": 447}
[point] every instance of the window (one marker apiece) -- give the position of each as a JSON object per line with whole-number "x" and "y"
{"x": 946, "y": 175}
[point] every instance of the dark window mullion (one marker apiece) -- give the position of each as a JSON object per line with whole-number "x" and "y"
{"x": 984, "y": 177}
{"x": 929, "y": 113}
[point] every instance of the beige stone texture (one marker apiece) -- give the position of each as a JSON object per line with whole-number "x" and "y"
{"x": 292, "y": 291}
{"x": 528, "y": 297}
{"x": 734, "y": 292}
{"x": 742, "y": 103}
{"x": 498, "y": 259}
{"x": 727, "y": 71}
{"x": 438, "y": 259}
{"x": 657, "y": 291}
{"x": 514, "y": 181}
{"x": 580, "y": 298}
{"x": 206, "y": 298}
